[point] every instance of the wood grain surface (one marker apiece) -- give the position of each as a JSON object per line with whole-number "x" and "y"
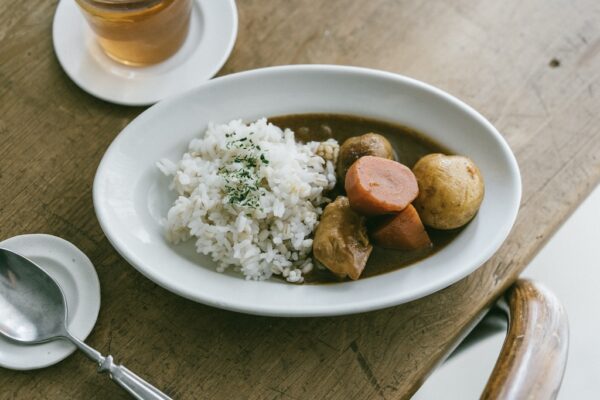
{"x": 533, "y": 358}
{"x": 531, "y": 66}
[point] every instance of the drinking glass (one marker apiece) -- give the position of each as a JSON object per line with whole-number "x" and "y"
{"x": 138, "y": 32}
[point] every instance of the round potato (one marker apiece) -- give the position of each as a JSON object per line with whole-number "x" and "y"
{"x": 369, "y": 144}
{"x": 450, "y": 190}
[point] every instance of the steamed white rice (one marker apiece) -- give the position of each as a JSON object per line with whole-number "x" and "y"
{"x": 251, "y": 197}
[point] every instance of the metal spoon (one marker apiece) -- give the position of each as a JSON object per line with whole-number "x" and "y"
{"x": 33, "y": 310}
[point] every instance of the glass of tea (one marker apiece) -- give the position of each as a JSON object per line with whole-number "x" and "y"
{"x": 138, "y": 32}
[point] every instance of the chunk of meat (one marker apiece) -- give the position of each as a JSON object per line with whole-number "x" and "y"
{"x": 341, "y": 242}
{"x": 403, "y": 231}
{"x": 377, "y": 186}
{"x": 369, "y": 144}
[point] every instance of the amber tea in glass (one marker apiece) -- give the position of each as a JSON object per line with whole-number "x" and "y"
{"x": 138, "y": 32}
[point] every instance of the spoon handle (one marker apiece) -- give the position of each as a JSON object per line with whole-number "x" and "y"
{"x": 136, "y": 386}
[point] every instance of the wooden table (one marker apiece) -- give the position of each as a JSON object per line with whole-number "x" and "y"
{"x": 532, "y": 67}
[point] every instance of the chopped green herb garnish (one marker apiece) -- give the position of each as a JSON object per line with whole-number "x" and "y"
{"x": 242, "y": 184}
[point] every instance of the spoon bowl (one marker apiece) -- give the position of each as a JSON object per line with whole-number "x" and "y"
{"x": 32, "y": 304}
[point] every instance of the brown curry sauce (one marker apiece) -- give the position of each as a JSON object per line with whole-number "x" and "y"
{"x": 409, "y": 146}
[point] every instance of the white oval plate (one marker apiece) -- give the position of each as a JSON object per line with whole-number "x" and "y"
{"x": 77, "y": 277}
{"x": 213, "y": 29}
{"x": 131, "y": 195}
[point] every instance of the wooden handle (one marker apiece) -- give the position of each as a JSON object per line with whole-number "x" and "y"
{"x": 534, "y": 354}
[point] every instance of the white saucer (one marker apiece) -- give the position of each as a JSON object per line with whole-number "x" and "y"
{"x": 77, "y": 277}
{"x": 213, "y": 29}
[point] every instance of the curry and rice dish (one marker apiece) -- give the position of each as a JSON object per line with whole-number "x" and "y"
{"x": 318, "y": 197}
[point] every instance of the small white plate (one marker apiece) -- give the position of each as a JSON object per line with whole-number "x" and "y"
{"x": 213, "y": 29}
{"x": 76, "y": 275}
{"x": 131, "y": 196}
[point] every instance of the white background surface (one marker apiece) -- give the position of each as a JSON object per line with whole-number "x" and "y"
{"x": 570, "y": 266}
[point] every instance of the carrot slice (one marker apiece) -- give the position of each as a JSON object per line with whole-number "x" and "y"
{"x": 377, "y": 186}
{"x": 403, "y": 231}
